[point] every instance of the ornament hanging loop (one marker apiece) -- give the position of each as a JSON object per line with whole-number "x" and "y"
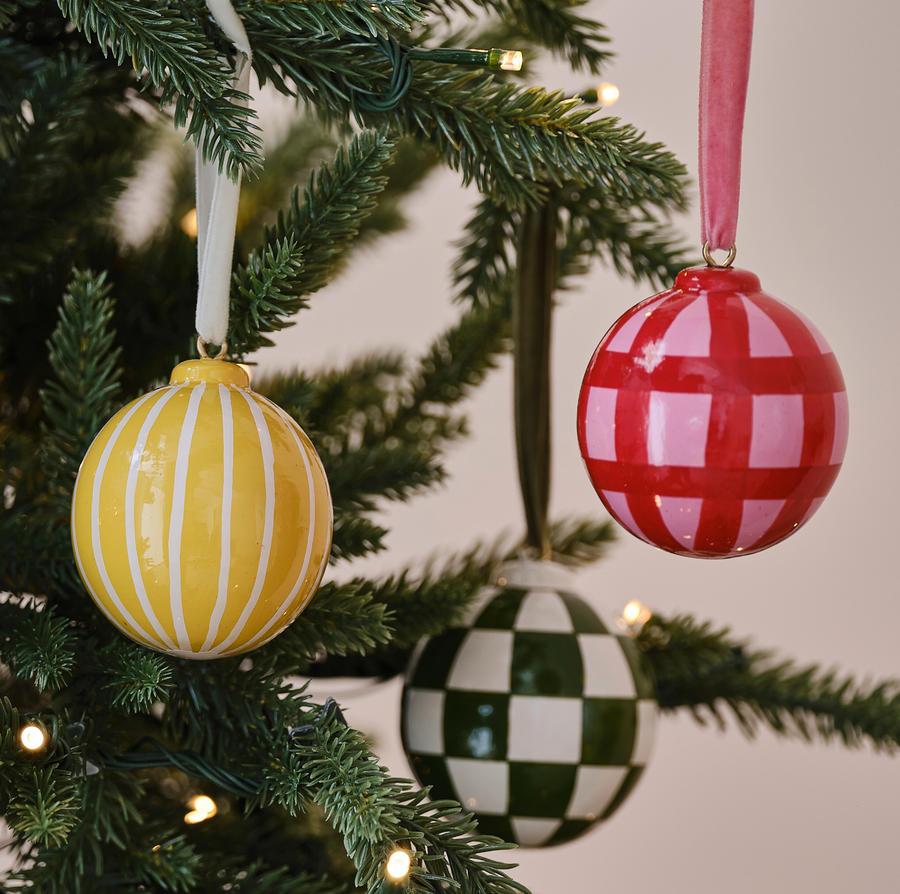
{"x": 712, "y": 262}
{"x": 201, "y": 350}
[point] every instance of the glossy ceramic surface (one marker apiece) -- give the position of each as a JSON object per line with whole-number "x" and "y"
{"x": 201, "y": 518}
{"x": 536, "y": 716}
{"x": 713, "y": 418}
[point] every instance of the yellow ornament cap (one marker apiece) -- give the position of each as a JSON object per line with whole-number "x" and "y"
{"x": 219, "y": 371}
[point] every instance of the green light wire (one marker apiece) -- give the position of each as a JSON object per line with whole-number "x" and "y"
{"x": 194, "y": 764}
{"x": 189, "y": 762}
{"x": 400, "y": 57}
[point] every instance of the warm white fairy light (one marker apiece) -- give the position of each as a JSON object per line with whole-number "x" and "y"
{"x": 189, "y": 223}
{"x": 607, "y": 93}
{"x": 32, "y": 737}
{"x": 634, "y": 616}
{"x": 632, "y": 612}
{"x": 398, "y": 865}
{"x": 511, "y": 60}
{"x": 203, "y": 807}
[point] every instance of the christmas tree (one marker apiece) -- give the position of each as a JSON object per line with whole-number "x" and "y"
{"x": 90, "y": 321}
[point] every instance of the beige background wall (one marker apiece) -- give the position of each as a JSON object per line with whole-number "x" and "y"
{"x": 820, "y": 192}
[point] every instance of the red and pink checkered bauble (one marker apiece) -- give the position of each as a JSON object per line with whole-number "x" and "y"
{"x": 713, "y": 418}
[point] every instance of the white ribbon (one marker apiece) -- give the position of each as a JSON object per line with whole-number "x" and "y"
{"x": 217, "y": 203}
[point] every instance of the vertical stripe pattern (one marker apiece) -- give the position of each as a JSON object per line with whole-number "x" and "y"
{"x": 201, "y": 519}
{"x": 705, "y": 408}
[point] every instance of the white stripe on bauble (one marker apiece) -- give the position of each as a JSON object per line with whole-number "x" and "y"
{"x": 310, "y": 532}
{"x": 227, "y": 494}
{"x": 176, "y": 521}
{"x": 95, "y": 530}
{"x": 268, "y": 457}
{"x": 130, "y": 533}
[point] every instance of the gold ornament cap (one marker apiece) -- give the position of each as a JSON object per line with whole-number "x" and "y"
{"x": 196, "y": 371}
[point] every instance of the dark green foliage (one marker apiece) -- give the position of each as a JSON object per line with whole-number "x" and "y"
{"x": 631, "y": 235}
{"x": 303, "y": 251}
{"x": 380, "y": 429}
{"x": 37, "y": 646}
{"x": 131, "y": 677}
{"x": 425, "y": 602}
{"x": 375, "y": 812}
{"x": 182, "y": 64}
{"x": 42, "y": 807}
{"x": 84, "y": 390}
{"x": 698, "y": 667}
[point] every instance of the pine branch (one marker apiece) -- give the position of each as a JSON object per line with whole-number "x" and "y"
{"x": 67, "y": 162}
{"x": 554, "y": 24}
{"x": 232, "y": 711}
{"x": 7, "y": 11}
{"x": 355, "y": 536}
{"x": 374, "y": 812}
{"x": 109, "y": 826}
{"x": 632, "y": 236}
{"x": 319, "y": 19}
{"x": 130, "y": 677}
{"x": 697, "y": 667}
{"x": 83, "y": 393}
{"x": 380, "y": 431}
{"x": 502, "y": 137}
{"x": 43, "y": 807}
{"x": 37, "y": 645}
{"x": 425, "y": 602}
{"x": 341, "y": 618}
{"x": 36, "y": 556}
{"x": 183, "y": 64}
{"x": 263, "y": 294}
{"x": 322, "y": 230}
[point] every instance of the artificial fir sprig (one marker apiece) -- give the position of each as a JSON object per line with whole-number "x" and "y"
{"x": 183, "y": 65}
{"x": 84, "y": 390}
{"x": 553, "y": 24}
{"x": 698, "y": 666}
{"x": 302, "y": 252}
{"x": 634, "y": 237}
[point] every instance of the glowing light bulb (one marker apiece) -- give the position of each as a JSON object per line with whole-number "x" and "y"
{"x": 398, "y": 865}
{"x": 32, "y": 737}
{"x": 203, "y": 808}
{"x": 634, "y": 616}
{"x": 632, "y": 612}
{"x": 511, "y": 60}
{"x": 607, "y": 93}
{"x": 189, "y": 223}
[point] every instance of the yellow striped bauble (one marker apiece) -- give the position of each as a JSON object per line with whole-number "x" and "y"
{"x": 201, "y": 518}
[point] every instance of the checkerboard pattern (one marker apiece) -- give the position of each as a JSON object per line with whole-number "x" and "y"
{"x": 713, "y": 418}
{"x": 536, "y": 717}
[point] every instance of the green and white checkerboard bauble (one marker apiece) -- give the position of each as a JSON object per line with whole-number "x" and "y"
{"x": 537, "y": 716}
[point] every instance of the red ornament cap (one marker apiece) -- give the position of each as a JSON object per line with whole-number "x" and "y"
{"x": 713, "y": 418}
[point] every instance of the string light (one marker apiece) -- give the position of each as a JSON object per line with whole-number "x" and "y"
{"x": 398, "y": 865}
{"x": 189, "y": 223}
{"x": 604, "y": 93}
{"x": 203, "y": 808}
{"x": 508, "y": 60}
{"x": 494, "y": 59}
{"x": 634, "y": 616}
{"x": 32, "y": 737}
{"x": 608, "y": 93}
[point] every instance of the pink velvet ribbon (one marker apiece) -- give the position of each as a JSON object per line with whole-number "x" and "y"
{"x": 724, "y": 70}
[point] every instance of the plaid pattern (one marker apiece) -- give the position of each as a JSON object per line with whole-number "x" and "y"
{"x": 713, "y": 418}
{"x": 535, "y": 717}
